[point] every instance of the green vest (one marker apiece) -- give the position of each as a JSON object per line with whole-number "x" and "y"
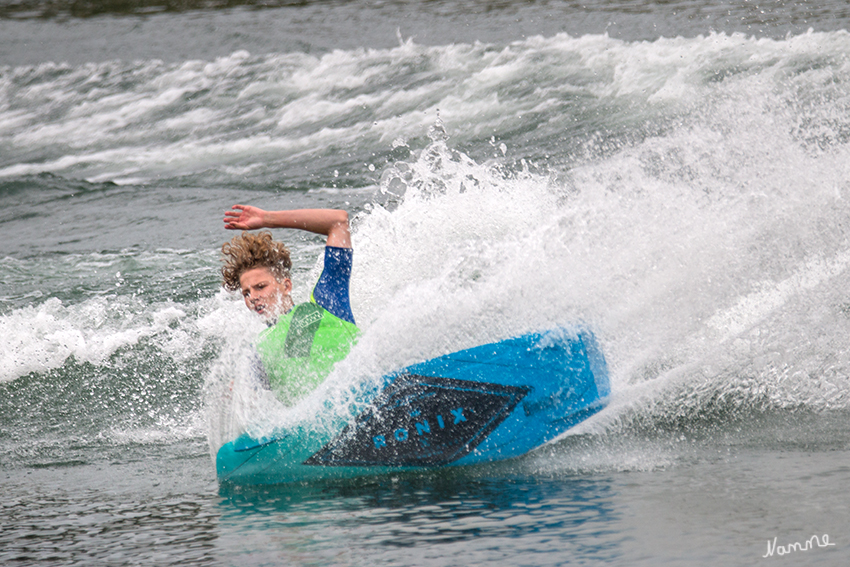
{"x": 300, "y": 351}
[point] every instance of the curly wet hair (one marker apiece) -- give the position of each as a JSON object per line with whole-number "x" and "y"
{"x": 248, "y": 251}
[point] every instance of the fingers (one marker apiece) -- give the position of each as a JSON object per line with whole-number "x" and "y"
{"x": 234, "y": 224}
{"x": 231, "y": 218}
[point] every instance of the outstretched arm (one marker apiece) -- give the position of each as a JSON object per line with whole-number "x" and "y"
{"x": 332, "y": 223}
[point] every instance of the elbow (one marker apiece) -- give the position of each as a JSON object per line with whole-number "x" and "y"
{"x": 340, "y": 220}
{"x": 339, "y": 232}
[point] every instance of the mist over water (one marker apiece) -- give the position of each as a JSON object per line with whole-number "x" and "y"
{"x": 684, "y": 195}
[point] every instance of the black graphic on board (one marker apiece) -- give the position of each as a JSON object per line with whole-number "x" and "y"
{"x": 421, "y": 421}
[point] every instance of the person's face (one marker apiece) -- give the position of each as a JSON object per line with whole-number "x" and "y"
{"x": 263, "y": 293}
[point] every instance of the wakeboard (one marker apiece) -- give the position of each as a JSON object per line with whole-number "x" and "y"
{"x": 488, "y": 403}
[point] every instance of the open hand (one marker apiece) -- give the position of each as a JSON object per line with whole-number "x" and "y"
{"x": 244, "y": 217}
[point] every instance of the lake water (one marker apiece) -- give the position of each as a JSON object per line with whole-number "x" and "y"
{"x": 675, "y": 175}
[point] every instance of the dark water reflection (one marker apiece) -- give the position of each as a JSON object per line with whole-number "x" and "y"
{"x": 442, "y": 516}
{"x": 120, "y": 514}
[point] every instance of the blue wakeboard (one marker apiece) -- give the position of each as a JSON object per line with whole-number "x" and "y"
{"x": 478, "y": 405}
